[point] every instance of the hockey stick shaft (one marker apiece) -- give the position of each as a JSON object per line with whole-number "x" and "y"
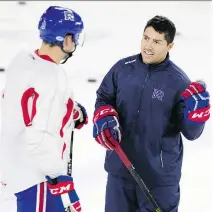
{"x": 69, "y": 165}
{"x": 137, "y": 178}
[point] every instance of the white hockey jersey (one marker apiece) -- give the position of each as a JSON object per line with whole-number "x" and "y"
{"x": 36, "y": 121}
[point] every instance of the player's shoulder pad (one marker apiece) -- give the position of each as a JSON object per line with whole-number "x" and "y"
{"x": 21, "y": 54}
{"x": 17, "y": 60}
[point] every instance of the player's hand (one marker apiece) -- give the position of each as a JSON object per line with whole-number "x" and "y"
{"x": 106, "y": 128}
{"x": 197, "y": 107}
{"x": 63, "y": 189}
{"x": 80, "y": 116}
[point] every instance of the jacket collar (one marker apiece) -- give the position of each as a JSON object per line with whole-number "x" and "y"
{"x": 156, "y": 66}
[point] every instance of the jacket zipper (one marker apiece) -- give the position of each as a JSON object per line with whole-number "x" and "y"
{"x": 161, "y": 158}
{"x": 147, "y": 76}
{"x": 139, "y": 106}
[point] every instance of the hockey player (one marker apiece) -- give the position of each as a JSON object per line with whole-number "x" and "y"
{"x": 37, "y": 118}
{"x": 144, "y": 103}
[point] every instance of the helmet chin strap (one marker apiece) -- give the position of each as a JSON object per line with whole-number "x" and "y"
{"x": 68, "y": 54}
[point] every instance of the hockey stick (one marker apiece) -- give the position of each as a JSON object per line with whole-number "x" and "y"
{"x": 69, "y": 164}
{"x": 137, "y": 178}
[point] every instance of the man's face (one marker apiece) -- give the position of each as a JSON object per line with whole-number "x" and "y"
{"x": 154, "y": 47}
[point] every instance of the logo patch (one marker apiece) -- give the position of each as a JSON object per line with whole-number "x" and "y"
{"x": 158, "y": 94}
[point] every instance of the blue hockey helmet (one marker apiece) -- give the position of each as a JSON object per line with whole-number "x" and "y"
{"x": 57, "y": 22}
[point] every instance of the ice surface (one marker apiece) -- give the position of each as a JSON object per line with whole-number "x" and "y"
{"x": 114, "y": 30}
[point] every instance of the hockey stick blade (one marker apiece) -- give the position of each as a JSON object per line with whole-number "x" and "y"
{"x": 137, "y": 178}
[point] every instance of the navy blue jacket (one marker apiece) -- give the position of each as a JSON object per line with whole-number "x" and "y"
{"x": 147, "y": 99}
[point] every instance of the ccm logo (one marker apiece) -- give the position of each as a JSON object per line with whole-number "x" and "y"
{"x": 200, "y": 115}
{"x": 61, "y": 190}
{"x": 104, "y": 111}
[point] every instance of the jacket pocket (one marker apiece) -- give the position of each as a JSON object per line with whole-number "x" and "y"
{"x": 169, "y": 158}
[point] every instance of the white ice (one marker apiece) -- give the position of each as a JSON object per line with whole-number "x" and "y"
{"x": 113, "y": 31}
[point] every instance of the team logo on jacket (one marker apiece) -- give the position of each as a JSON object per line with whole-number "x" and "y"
{"x": 158, "y": 94}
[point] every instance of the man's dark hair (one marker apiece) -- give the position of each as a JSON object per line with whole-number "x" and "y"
{"x": 162, "y": 24}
